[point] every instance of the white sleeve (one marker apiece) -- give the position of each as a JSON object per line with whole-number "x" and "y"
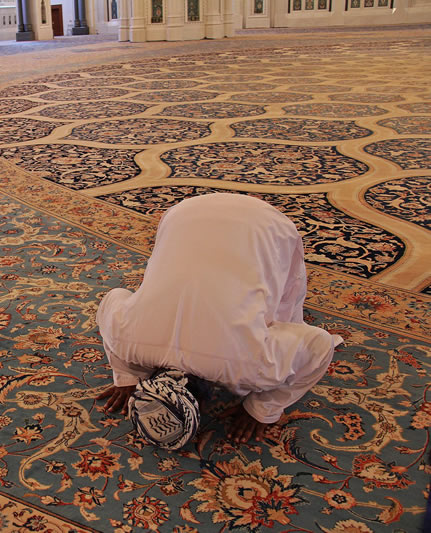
{"x": 125, "y": 374}
{"x": 109, "y": 318}
{"x": 305, "y": 369}
{"x": 268, "y": 406}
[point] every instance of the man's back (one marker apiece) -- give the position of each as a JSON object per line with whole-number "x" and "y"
{"x": 212, "y": 287}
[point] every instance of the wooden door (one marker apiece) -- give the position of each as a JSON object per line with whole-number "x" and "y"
{"x": 57, "y": 19}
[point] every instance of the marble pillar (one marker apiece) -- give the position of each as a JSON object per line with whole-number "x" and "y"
{"x": 124, "y": 21}
{"x": 229, "y": 27}
{"x": 25, "y": 29}
{"x": 138, "y": 32}
{"x": 214, "y": 27}
{"x": 80, "y": 26}
{"x": 174, "y": 20}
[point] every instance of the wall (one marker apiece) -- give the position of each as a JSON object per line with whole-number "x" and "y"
{"x": 68, "y": 14}
{"x": 41, "y": 19}
{"x": 215, "y": 13}
{"x": 318, "y": 13}
{"x": 7, "y": 23}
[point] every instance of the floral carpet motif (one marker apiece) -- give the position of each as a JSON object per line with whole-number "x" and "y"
{"x": 83, "y": 94}
{"x": 80, "y": 201}
{"x": 406, "y": 198}
{"x": 330, "y": 237}
{"x": 10, "y": 107}
{"x": 24, "y": 89}
{"x": 163, "y": 84}
{"x": 422, "y": 107}
{"x": 300, "y": 129}
{"x": 366, "y": 98}
{"x": 407, "y": 153}
{"x": 239, "y": 87}
{"x": 213, "y": 110}
{"x": 76, "y": 167}
{"x": 140, "y": 131}
{"x": 270, "y": 97}
{"x": 19, "y": 129}
{"x": 409, "y": 125}
{"x": 168, "y": 75}
{"x": 86, "y": 110}
{"x": 253, "y": 162}
{"x": 187, "y": 95}
{"x": 334, "y": 110}
{"x": 94, "y": 82}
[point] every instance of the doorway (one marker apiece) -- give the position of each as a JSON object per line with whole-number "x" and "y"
{"x": 57, "y": 20}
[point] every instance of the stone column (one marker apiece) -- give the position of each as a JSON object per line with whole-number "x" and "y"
{"x": 25, "y": 29}
{"x": 229, "y": 30}
{"x": 213, "y": 20}
{"x": 80, "y": 27}
{"x": 123, "y": 29}
{"x": 174, "y": 20}
{"x": 138, "y": 32}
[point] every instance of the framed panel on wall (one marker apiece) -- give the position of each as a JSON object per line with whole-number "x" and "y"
{"x": 157, "y": 12}
{"x": 193, "y": 13}
{"x": 258, "y": 7}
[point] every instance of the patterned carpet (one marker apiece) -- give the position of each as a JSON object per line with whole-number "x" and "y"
{"x": 336, "y": 137}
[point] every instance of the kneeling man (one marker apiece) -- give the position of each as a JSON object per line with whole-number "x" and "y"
{"x": 221, "y": 300}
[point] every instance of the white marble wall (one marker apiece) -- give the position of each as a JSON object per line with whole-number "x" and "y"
{"x": 7, "y": 23}
{"x": 218, "y": 18}
{"x": 284, "y": 13}
{"x": 41, "y": 21}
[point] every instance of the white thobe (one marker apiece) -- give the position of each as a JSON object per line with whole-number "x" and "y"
{"x": 222, "y": 298}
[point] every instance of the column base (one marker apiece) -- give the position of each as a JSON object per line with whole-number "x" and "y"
{"x": 81, "y": 31}
{"x": 138, "y": 35}
{"x": 25, "y": 36}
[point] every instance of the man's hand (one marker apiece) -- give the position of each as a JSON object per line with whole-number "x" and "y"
{"x": 118, "y": 398}
{"x": 243, "y": 425}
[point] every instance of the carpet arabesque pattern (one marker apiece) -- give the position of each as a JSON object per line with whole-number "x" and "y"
{"x": 339, "y": 141}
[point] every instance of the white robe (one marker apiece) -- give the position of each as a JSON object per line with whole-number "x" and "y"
{"x": 222, "y": 298}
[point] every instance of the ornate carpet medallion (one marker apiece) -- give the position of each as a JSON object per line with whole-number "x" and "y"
{"x": 174, "y": 96}
{"x": 300, "y": 130}
{"x": 86, "y": 110}
{"x": 239, "y": 87}
{"x": 75, "y": 167}
{"x": 405, "y": 198}
{"x": 213, "y": 110}
{"x": 422, "y": 107}
{"x": 409, "y": 125}
{"x": 331, "y": 238}
{"x": 367, "y": 98}
{"x": 164, "y": 84}
{"x": 83, "y": 94}
{"x": 95, "y": 82}
{"x": 24, "y": 89}
{"x": 140, "y": 131}
{"x": 335, "y": 110}
{"x": 168, "y": 75}
{"x": 271, "y": 97}
{"x": 319, "y": 88}
{"x": 262, "y": 163}
{"x": 19, "y": 129}
{"x": 11, "y": 107}
{"x": 407, "y": 153}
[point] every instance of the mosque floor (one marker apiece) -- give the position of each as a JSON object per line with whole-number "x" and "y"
{"x": 97, "y": 139}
